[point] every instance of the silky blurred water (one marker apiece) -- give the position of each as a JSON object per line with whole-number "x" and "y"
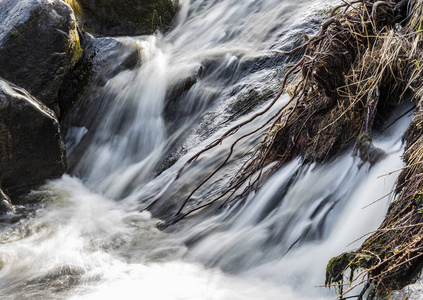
{"x": 88, "y": 239}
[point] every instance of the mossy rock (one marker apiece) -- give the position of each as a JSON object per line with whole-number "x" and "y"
{"x": 124, "y": 17}
{"x": 337, "y": 266}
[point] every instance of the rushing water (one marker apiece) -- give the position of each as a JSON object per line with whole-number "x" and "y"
{"x": 88, "y": 239}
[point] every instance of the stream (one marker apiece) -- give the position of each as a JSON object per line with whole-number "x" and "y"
{"x": 90, "y": 238}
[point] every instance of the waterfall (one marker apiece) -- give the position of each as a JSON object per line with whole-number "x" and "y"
{"x": 215, "y": 68}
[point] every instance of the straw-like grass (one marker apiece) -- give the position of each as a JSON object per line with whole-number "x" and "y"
{"x": 361, "y": 63}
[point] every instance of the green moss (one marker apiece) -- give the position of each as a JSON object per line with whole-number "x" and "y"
{"x": 15, "y": 33}
{"x": 393, "y": 204}
{"x": 76, "y": 7}
{"x": 75, "y": 45}
{"x": 418, "y": 198}
{"x": 337, "y": 266}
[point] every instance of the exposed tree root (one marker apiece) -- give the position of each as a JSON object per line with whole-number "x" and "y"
{"x": 392, "y": 257}
{"x": 359, "y": 65}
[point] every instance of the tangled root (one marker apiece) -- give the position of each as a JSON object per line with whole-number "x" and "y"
{"x": 359, "y": 65}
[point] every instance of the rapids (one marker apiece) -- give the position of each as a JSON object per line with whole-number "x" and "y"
{"x": 88, "y": 239}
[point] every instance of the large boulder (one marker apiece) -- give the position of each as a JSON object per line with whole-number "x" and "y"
{"x": 39, "y": 44}
{"x": 125, "y": 17}
{"x": 31, "y": 146}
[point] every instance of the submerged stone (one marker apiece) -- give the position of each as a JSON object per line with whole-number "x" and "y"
{"x": 31, "y": 146}
{"x": 39, "y": 44}
{"x": 368, "y": 152}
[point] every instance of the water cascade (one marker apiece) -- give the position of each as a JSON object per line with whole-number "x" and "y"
{"x": 89, "y": 240}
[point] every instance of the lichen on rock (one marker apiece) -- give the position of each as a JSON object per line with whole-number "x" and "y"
{"x": 74, "y": 46}
{"x": 76, "y": 7}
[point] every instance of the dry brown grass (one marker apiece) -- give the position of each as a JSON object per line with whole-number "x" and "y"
{"x": 365, "y": 57}
{"x": 394, "y": 253}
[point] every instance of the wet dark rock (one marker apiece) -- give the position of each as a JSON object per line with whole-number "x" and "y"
{"x": 249, "y": 100}
{"x": 5, "y": 205}
{"x": 84, "y": 95}
{"x": 213, "y": 72}
{"x": 102, "y": 59}
{"x": 126, "y": 17}
{"x": 367, "y": 151}
{"x": 174, "y": 108}
{"x": 31, "y": 146}
{"x": 39, "y": 44}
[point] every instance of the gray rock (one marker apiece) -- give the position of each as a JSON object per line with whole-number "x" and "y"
{"x": 84, "y": 94}
{"x": 39, "y": 44}
{"x": 31, "y": 146}
{"x": 5, "y": 205}
{"x": 368, "y": 152}
{"x": 126, "y": 17}
{"x": 102, "y": 59}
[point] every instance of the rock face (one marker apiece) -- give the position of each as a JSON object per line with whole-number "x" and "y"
{"x": 102, "y": 59}
{"x": 39, "y": 44}
{"x": 126, "y": 17}
{"x": 31, "y": 146}
{"x": 84, "y": 93}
